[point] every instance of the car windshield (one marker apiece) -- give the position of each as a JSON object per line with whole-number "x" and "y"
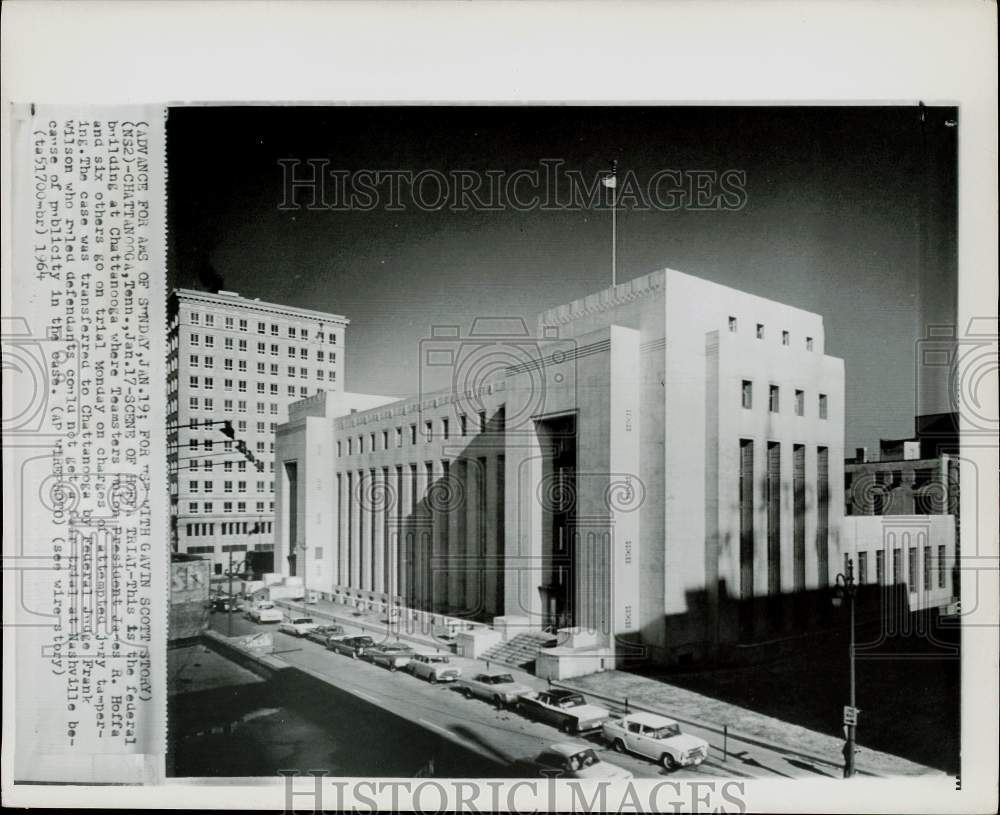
{"x": 501, "y": 679}
{"x": 438, "y": 660}
{"x": 302, "y": 620}
{"x": 571, "y": 701}
{"x": 666, "y": 731}
{"x": 585, "y": 758}
{"x": 363, "y": 641}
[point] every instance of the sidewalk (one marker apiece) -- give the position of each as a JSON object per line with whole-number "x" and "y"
{"x": 693, "y": 708}
{"x": 684, "y": 705}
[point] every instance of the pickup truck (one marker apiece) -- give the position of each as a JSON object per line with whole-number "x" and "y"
{"x": 501, "y": 689}
{"x": 434, "y": 668}
{"x": 322, "y": 633}
{"x": 389, "y": 655}
{"x": 349, "y": 646}
{"x": 298, "y": 626}
{"x": 264, "y": 611}
{"x": 655, "y": 737}
{"x": 568, "y": 761}
{"x": 565, "y": 709}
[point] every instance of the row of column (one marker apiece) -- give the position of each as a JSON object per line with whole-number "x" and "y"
{"x": 429, "y": 533}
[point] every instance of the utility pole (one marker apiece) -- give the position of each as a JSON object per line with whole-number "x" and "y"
{"x": 845, "y": 586}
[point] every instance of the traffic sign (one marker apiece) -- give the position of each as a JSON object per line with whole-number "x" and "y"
{"x": 851, "y": 715}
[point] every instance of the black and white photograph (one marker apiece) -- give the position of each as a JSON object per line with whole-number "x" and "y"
{"x": 606, "y": 442}
{"x": 500, "y": 407}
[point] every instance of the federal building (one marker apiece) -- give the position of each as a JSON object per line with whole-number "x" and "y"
{"x": 653, "y": 471}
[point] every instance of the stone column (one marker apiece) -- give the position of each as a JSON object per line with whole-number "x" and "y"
{"x": 393, "y": 545}
{"x": 379, "y": 507}
{"x": 354, "y": 580}
{"x": 404, "y": 556}
{"x": 365, "y": 494}
{"x": 458, "y": 561}
{"x": 422, "y": 529}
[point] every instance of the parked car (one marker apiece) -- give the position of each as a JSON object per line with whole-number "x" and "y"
{"x": 434, "y": 668}
{"x": 223, "y": 602}
{"x": 350, "y": 646}
{"x": 264, "y": 611}
{"x": 389, "y": 655}
{"x": 322, "y": 633}
{"x": 655, "y": 737}
{"x": 501, "y": 689}
{"x": 565, "y": 709}
{"x": 298, "y": 626}
{"x": 568, "y": 761}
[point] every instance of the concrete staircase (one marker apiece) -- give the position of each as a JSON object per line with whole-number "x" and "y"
{"x": 520, "y": 650}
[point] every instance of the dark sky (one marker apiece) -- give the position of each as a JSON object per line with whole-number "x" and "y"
{"x": 849, "y": 212}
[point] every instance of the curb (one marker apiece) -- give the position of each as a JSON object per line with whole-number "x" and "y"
{"x": 736, "y": 734}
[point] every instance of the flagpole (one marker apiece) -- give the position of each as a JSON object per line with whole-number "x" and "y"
{"x": 614, "y": 224}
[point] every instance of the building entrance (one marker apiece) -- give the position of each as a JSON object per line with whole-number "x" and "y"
{"x": 558, "y": 498}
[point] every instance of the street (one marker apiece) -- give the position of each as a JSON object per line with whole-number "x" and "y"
{"x": 503, "y": 735}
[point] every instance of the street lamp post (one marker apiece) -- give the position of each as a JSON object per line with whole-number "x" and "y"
{"x": 845, "y": 586}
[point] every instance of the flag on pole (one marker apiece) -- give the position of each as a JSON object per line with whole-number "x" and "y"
{"x": 610, "y": 181}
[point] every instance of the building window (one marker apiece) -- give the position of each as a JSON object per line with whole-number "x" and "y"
{"x": 773, "y": 498}
{"x": 746, "y": 518}
{"x": 760, "y": 331}
{"x": 785, "y": 338}
{"x": 209, "y": 341}
{"x": 444, "y": 428}
{"x": 228, "y": 343}
{"x": 274, "y": 330}
{"x": 747, "y": 394}
{"x": 941, "y": 567}
{"x": 774, "y": 395}
{"x": 371, "y": 442}
{"x": 350, "y": 447}
{"x": 193, "y": 361}
{"x": 193, "y": 382}
{"x": 880, "y": 567}
{"x": 823, "y": 514}
{"x": 209, "y": 319}
{"x": 732, "y": 325}
{"x": 482, "y": 421}
{"x": 799, "y": 516}
{"x": 897, "y": 566}
{"x": 195, "y": 339}
{"x": 243, "y": 325}
{"x": 862, "y": 567}
{"x": 800, "y": 403}
{"x": 193, "y": 507}
{"x": 291, "y": 332}
{"x": 822, "y": 406}
{"x": 340, "y": 449}
{"x": 463, "y": 425}
{"x": 385, "y": 439}
{"x": 195, "y": 318}
{"x": 429, "y": 431}
{"x": 413, "y": 434}
{"x": 192, "y": 486}
{"x": 399, "y": 437}
{"x": 809, "y": 343}
{"x": 927, "y": 568}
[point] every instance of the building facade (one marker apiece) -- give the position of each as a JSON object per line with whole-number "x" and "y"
{"x": 901, "y": 519}
{"x": 647, "y": 474}
{"x": 242, "y": 361}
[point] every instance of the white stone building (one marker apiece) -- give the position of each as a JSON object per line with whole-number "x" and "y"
{"x": 648, "y": 474}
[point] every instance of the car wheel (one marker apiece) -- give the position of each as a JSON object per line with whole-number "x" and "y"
{"x": 668, "y": 762}
{"x": 354, "y": 654}
{"x": 467, "y": 692}
{"x": 498, "y": 701}
{"x": 392, "y": 669}
{"x": 566, "y": 727}
{"x": 434, "y": 679}
{"x": 619, "y": 746}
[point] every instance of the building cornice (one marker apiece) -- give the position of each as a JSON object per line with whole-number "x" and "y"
{"x": 260, "y": 306}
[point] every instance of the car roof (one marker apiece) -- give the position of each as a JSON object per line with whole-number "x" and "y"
{"x": 650, "y": 719}
{"x": 568, "y": 748}
{"x": 562, "y": 693}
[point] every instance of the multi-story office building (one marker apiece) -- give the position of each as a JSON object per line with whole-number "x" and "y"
{"x": 242, "y": 361}
{"x": 648, "y": 474}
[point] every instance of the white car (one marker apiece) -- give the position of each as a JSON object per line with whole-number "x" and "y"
{"x": 264, "y": 611}
{"x": 298, "y": 626}
{"x": 434, "y": 668}
{"x": 655, "y": 737}
{"x": 501, "y": 689}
